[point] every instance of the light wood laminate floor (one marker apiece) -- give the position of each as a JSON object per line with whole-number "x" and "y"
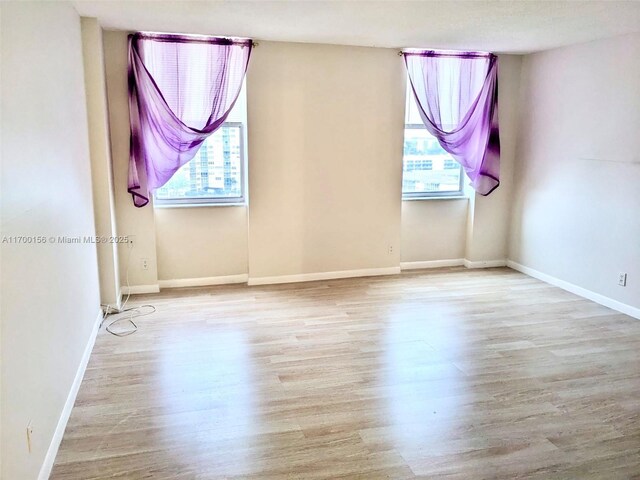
{"x": 453, "y": 373}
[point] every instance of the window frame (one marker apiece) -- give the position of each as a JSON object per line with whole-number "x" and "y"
{"x": 213, "y": 201}
{"x": 430, "y": 195}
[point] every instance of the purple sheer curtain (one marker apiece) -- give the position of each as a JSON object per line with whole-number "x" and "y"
{"x": 181, "y": 90}
{"x": 457, "y": 98}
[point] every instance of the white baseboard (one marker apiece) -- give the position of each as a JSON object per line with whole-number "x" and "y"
{"x": 52, "y": 451}
{"x": 485, "y": 263}
{"x": 575, "y": 289}
{"x": 203, "y": 281}
{"x": 310, "y": 277}
{"x": 452, "y": 262}
{"x": 140, "y": 289}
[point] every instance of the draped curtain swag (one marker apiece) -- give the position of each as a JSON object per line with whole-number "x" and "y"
{"x": 181, "y": 90}
{"x": 457, "y": 98}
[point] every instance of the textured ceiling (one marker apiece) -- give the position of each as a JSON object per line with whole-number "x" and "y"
{"x": 499, "y": 26}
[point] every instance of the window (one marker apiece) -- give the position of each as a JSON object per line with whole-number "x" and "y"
{"x": 428, "y": 170}
{"x": 216, "y": 175}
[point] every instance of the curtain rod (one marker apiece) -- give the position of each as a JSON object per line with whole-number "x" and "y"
{"x": 195, "y": 37}
{"x": 445, "y": 53}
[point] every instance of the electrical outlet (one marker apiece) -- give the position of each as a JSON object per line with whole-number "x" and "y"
{"x": 29, "y": 435}
{"x": 622, "y": 279}
{"x": 144, "y": 263}
{"x": 390, "y": 249}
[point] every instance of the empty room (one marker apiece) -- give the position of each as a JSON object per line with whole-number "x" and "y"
{"x": 320, "y": 240}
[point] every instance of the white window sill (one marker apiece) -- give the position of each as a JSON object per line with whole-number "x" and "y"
{"x": 444, "y": 197}
{"x": 197, "y": 205}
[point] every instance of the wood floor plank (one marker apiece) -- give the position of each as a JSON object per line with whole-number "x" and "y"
{"x": 449, "y": 373}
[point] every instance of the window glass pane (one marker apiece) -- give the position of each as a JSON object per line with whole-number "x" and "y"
{"x": 215, "y": 171}
{"x": 427, "y": 167}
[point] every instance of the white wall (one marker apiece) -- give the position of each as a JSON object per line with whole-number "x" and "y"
{"x": 101, "y": 167}
{"x": 342, "y": 177}
{"x": 50, "y": 292}
{"x": 201, "y": 242}
{"x": 325, "y": 153}
{"x": 433, "y": 229}
{"x": 576, "y": 211}
{"x": 325, "y": 140}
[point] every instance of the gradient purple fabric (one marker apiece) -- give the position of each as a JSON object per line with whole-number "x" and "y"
{"x": 181, "y": 90}
{"x": 457, "y": 97}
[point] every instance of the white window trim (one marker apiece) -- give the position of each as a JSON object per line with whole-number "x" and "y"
{"x": 200, "y": 205}
{"x": 213, "y": 201}
{"x": 429, "y": 199}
